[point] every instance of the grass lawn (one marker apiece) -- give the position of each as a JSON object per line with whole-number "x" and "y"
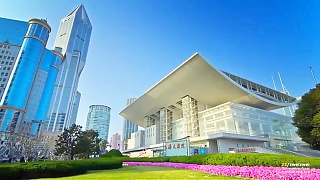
{"x": 147, "y": 172}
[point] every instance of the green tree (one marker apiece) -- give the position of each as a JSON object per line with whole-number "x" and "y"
{"x": 307, "y": 118}
{"x": 88, "y": 143}
{"x": 103, "y": 144}
{"x": 66, "y": 144}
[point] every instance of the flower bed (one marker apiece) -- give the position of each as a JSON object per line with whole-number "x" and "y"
{"x": 258, "y": 172}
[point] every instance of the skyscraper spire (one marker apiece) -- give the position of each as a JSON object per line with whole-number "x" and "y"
{"x": 73, "y": 38}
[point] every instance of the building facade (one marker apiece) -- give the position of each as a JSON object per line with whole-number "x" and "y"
{"x": 75, "y": 108}
{"x": 98, "y": 119}
{"x": 73, "y": 37}
{"x": 137, "y": 139}
{"x": 11, "y": 37}
{"x": 28, "y": 92}
{"x": 115, "y": 141}
{"x": 213, "y": 109}
{"x": 128, "y": 127}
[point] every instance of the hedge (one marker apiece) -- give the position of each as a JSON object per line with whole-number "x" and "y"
{"x": 234, "y": 159}
{"x": 54, "y": 169}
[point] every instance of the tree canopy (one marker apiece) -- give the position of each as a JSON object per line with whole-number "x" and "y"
{"x": 74, "y": 141}
{"x": 307, "y": 118}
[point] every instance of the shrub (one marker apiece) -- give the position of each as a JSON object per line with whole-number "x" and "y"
{"x": 235, "y": 159}
{"x": 53, "y": 169}
{"x": 113, "y": 153}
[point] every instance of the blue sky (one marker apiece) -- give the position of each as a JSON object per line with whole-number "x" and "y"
{"x": 134, "y": 44}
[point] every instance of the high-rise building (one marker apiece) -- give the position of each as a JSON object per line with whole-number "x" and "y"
{"x": 73, "y": 37}
{"x": 128, "y": 127}
{"x": 26, "y": 98}
{"x": 115, "y": 141}
{"x": 99, "y": 120}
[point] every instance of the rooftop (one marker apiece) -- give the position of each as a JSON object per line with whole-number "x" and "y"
{"x": 209, "y": 86}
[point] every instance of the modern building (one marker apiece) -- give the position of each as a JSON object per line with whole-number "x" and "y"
{"x": 99, "y": 120}
{"x": 26, "y": 98}
{"x": 128, "y": 127}
{"x": 73, "y": 37}
{"x": 137, "y": 140}
{"x": 115, "y": 141}
{"x": 212, "y": 109}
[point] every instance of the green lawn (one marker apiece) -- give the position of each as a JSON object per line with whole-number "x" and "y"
{"x": 147, "y": 172}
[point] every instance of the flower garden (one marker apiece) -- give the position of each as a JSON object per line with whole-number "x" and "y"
{"x": 255, "y": 166}
{"x": 256, "y": 172}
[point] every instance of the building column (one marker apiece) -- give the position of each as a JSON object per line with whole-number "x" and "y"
{"x": 237, "y": 127}
{"x": 166, "y": 118}
{"x": 261, "y": 129}
{"x": 250, "y": 128}
{"x": 190, "y": 113}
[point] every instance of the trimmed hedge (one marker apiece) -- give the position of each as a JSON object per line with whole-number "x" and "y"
{"x": 235, "y": 160}
{"x": 113, "y": 153}
{"x": 54, "y": 169}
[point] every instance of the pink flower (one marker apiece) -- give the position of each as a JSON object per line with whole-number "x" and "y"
{"x": 258, "y": 172}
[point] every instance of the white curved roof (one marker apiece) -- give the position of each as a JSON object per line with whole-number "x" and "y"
{"x": 209, "y": 86}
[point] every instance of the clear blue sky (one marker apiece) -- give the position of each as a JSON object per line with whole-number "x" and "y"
{"x": 134, "y": 44}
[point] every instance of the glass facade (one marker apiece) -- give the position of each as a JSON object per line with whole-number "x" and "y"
{"x": 26, "y": 98}
{"x": 13, "y": 31}
{"x": 46, "y": 77}
{"x": 99, "y": 120}
{"x": 75, "y": 108}
{"x": 73, "y": 37}
{"x": 128, "y": 126}
{"x": 8, "y": 56}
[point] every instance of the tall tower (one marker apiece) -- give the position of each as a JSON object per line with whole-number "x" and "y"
{"x": 128, "y": 127}
{"x": 26, "y": 97}
{"x": 99, "y": 120}
{"x": 73, "y": 37}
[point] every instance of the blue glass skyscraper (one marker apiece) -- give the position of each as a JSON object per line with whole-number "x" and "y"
{"x": 32, "y": 73}
{"x": 73, "y": 37}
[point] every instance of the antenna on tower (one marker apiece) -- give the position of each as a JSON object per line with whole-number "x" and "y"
{"x": 314, "y": 77}
{"x": 284, "y": 89}
{"x": 274, "y": 84}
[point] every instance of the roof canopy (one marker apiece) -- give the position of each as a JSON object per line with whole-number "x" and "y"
{"x": 198, "y": 79}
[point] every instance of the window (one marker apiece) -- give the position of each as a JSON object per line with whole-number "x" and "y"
{"x": 8, "y": 68}
{"x": 2, "y": 85}
{"x": 7, "y": 63}
{"x": 10, "y": 63}
{"x": 12, "y": 58}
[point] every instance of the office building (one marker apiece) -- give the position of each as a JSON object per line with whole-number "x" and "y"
{"x": 73, "y": 37}
{"x": 128, "y": 127}
{"x": 212, "y": 109}
{"x": 26, "y": 98}
{"x": 115, "y": 141}
{"x": 98, "y": 119}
